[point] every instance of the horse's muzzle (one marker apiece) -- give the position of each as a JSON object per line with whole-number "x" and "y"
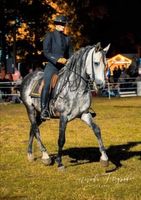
{"x": 100, "y": 85}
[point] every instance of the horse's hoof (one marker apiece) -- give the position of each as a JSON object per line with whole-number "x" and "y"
{"x": 61, "y": 168}
{"x": 104, "y": 163}
{"x": 93, "y": 114}
{"x": 30, "y": 157}
{"x": 47, "y": 161}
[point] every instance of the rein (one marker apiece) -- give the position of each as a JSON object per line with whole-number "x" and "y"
{"x": 93, "y": 74}
{"x": 103, "y": 53}
{"x": 81, "y": 59}
{"x": 84, "y": 79}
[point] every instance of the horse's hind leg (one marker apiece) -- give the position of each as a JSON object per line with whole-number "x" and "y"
{"x": 61, "y": 140}
{"x": 34, "y": 132}
{"x": 86, "y": 117}
{"x": 31, "y": 138}
{"x": 45, "y": 157}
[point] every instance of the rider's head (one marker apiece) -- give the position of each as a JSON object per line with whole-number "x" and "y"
{"x": 60, "y": 22}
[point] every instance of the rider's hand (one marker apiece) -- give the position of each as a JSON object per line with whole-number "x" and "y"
{"x": 62, "y": 61}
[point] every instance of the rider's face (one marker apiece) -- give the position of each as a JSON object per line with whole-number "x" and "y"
{"x": 60, "y": 27}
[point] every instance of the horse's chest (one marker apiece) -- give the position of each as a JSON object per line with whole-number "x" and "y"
{"x": 73, "y": 105}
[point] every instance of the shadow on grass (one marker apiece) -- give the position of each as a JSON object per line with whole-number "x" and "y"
{"x": 14, "y": 198}
{"x": 123, "y": 106}
{"x": 116, "y": 154}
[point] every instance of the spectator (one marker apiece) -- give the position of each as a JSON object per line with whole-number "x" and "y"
{"x": 118, "y": 72}
{"x": 123, "y": 79}
{"x": 108, "y": 74}
{"x": 17, "y": 78}
{"x": 7, "y": 90}
{"x": 115, "y": 75}
{"x": 16, "y": 75}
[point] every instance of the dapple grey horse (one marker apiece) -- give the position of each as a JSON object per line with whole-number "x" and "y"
{"x": 71, "y": 98}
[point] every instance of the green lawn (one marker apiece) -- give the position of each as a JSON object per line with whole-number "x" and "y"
{"x": 83, "y": 178}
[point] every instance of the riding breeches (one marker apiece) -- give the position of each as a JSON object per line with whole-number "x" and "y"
{"x": 48, "y": 72}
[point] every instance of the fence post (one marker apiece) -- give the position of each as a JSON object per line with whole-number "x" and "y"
{"x": 138, "y": 88}
{"x": 109, "y": 90}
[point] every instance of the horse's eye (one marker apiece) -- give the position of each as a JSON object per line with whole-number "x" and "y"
{"x": 96, "y": 63}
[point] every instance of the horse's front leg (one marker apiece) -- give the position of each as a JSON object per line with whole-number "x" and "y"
{"x": 86, "y": 117}
{"x": 61, "y": 140}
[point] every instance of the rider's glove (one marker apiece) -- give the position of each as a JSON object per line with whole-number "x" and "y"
{"x": 62, "y": 61}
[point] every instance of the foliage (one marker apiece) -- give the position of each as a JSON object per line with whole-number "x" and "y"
{"x": 90, "y": 22}
{"x": 30, "y": 20}
{"x": 33, "y": 19}
{"x": 83, "y": 178}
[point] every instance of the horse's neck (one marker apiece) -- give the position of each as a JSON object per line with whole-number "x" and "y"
{"x": 74, "y": 81}
{"x": 75, "y": 76}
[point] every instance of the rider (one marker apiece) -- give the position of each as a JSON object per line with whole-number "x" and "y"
{"x": 57, "y": 48}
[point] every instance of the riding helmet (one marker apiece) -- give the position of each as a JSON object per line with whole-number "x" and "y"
{"x": 60, "y": 19}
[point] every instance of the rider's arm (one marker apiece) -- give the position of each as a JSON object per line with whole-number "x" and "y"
{"x": 47, "y": 49}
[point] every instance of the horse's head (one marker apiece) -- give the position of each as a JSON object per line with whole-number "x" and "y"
{"x": 96, "y": 63}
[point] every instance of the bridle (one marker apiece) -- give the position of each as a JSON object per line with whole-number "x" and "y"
{"x": 93, "y": 64}
{"x": 86, "y": 79}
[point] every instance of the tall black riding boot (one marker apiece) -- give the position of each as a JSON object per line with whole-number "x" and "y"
{"x": 44, "y": 106}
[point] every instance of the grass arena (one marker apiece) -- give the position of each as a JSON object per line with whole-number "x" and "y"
{"x": 83, "y": 178}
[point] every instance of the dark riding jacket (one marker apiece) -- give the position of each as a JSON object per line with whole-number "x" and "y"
{"x": 57, "y": 45}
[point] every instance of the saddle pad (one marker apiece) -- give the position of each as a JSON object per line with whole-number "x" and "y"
{"x": 37, "y": 88}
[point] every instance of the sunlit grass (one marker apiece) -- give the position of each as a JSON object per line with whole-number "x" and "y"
{"x": 84, "y": 178}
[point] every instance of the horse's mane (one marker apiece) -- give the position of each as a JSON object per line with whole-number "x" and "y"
{"x": 74, "y": 65}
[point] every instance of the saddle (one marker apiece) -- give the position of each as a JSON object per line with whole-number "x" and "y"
{"x": 39, "y": 84}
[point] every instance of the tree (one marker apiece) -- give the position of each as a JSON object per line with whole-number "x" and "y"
{"x": 27, "y": 21}
{"x": 90, "y": 21}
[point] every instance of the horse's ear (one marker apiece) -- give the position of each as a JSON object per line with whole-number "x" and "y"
{"x": 98, "y": 47}
{"x": 106, "y": 48}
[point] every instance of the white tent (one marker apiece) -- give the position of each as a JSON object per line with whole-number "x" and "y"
{"x": 119, "y": 60}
